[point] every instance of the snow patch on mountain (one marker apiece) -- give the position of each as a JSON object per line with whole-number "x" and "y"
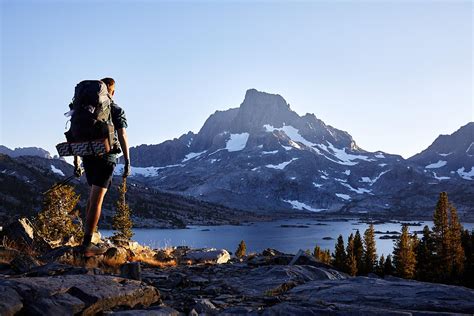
{"x": 444, "y": 155}
{"x": 439, "y": 164}
{"x": 317, "y": 185}
{"x": 466, "y": 175}
{"x": 343, "y": 157}
{"x": 143, "y": 171}
{"x": 192, "y": 155}
{"x": 440, "y": 178}
{"x": 372, "y": 181}
{"x": 282, "y": 165}
{"x": 469, "y": 148}
{"x": 57, "y": 171}
{"x": 302, "y": 206}
{"x": 237, "y": 142}
{"x": 357, "y": 190}
{"x": 291, "y": 132}
{"x": 379, "y": 155}
{"x": 269, "y": 152}
{"x": 343, "y": 196}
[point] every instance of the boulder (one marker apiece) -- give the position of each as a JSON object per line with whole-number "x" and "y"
{"x": 10, "y": 301}
{"x": 152, "y": 311}
{"x": 265, "y": 280}
{"x": 208, "y": 255}
{"x": 22, "y": 232}
{"x": 85, "y": 294}
{"x": 394, "y": 295}
{"x": 131, "y": 270}
{"x": 117, "y": 255}
{"x": 55, "y": 268}
{"x": 23, "y": 263}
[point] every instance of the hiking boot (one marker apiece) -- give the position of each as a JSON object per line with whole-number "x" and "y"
{"x": 92, "y": 250}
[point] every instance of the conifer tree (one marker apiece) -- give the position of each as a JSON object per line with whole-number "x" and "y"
{"x": 54, "y": 221}
{"x": 424, "y": 256}
{"x": 442, "y": 238}
{"x": 351, "y": 262}
{"x": 327, "y": 256}
{"x": 370, "y": 251}
{"x": 121, "y": 221}
{"x": 380, "y": 266}
{"x": 359, "y": 253}
{"x": 322, "y": 255}
{"x": 457, "y": 251}
{"x": 404, "y": 256}
{"x": 241, "y": 250}
{"x": 388, "y": 266}
{"x": 468, "y": 246}
{"x": 339, "y": 256}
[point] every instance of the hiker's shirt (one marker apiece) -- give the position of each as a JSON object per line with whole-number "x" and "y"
{"x": 120, "y": 121}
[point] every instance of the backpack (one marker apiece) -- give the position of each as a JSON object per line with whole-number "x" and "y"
{"x": 91, "y": 117}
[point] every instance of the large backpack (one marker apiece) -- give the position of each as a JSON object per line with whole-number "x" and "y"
{"x": 91, "y": 119}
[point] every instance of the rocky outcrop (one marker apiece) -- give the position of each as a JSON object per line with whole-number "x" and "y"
{"x": 73, "y": 294}
{"x": 259, "y": 284}
{"x": 210, "y": 255}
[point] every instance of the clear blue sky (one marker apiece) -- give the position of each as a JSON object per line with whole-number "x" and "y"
{"x": 394, "y": 75}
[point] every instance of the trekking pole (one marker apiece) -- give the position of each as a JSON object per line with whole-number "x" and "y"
{"x": 60, "y": 184}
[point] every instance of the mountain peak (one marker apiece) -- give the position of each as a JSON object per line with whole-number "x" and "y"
{"x": 259, "y": 98}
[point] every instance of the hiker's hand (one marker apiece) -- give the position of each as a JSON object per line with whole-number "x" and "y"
{"x": 78, "y": 171}
{"x": 126, "y": 169}
{"x": 77, "y": 167}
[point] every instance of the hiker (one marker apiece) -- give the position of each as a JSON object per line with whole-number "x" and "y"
{"x": 99, "y": 171}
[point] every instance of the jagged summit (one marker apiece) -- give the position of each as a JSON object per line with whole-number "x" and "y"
{"x": 256, "y": 98}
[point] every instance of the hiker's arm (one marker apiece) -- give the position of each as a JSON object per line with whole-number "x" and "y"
{"x": 123, "y": 140}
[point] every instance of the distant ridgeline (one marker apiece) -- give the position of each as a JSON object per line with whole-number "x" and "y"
{"x": 262, "y": 157}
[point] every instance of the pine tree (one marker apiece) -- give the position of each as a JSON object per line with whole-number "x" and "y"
{"x": 388, "y": 266}
{"x": 351, "y": 262}
{"x": 339, "y": 256}
{"x": 424, "y": 256}
{"x": 457, "y": 251}
{"x": 327, "y": 256}
{"x": 380, "y": 266}
{"x": 241, "y": 250}
{"x": 54, "y": 221}
{"x": 468, "y": 246}
{"x": 359, "y": 253}
{"x": 442, "y": 238}
{"x": 370, "y": 251}
{"x": 121, "y": 221}
{"x": 404, "y": 256}
{"x": 323, "y": 256}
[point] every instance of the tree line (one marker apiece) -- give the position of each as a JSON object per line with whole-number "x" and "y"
{"x": 443, "y": 254}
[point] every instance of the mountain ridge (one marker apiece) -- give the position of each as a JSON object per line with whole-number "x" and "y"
{"x": 263, "y": 156}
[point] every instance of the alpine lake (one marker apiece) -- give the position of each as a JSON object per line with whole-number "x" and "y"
{"x": 287, "y": 236}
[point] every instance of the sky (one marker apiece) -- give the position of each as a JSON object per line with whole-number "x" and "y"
{"x": 394, "y": 74}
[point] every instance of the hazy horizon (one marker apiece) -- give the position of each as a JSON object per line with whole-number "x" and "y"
{"x": 394, "y": 75}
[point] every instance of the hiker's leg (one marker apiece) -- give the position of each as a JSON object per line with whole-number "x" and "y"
{"x": 96, "y": 198}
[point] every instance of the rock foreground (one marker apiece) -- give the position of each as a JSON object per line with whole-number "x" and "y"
{"x": 264, "y": 284}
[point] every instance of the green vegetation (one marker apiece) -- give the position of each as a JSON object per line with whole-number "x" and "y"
{"x": 121, "y": 221}
{"x": 241, "y": 250}
{"x": 55, "y": 221}
{"x": 322, "y": 255}
{"x": 444, "y": 254}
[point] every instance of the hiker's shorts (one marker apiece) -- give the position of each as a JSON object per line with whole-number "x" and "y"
{"x": 98, "y": 171}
